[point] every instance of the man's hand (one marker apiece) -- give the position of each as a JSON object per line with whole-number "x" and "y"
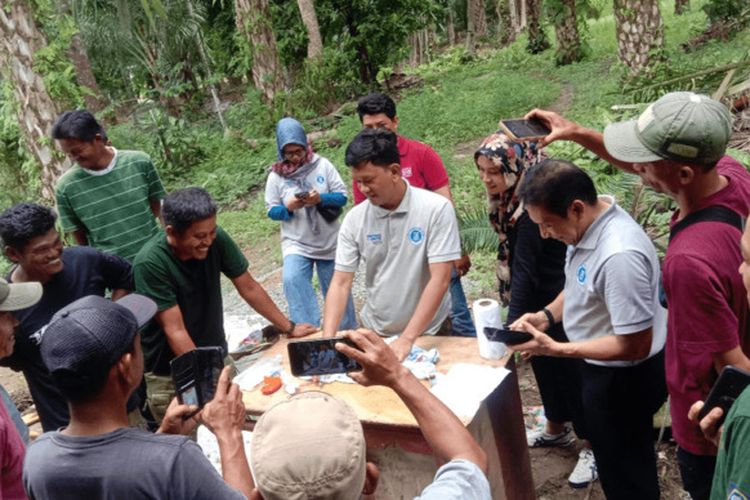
{"x": 225, "y": 413}
{"x": 179, "y": 419}
{"x": 541, "y": 344}
{"x": 313, "y": 198}
{"x": 380, "y": 366}
{"x": 561, "y": 128}
{"x": 294, "y": 203}
{"x": 463, "y": 265}
{"x": 710, "y": 423}
{"x": 538, "y": 320}
{"x": 302, "y": 330}
{"x": 401, "y": 347}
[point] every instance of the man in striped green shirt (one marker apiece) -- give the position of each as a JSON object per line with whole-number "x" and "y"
{"x": 111, "y": 198}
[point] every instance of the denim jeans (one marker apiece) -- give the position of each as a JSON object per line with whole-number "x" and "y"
{"x": 463, "y": 325}
{"x": 300, "y": 294}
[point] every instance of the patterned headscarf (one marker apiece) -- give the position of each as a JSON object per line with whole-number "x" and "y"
{"x": 505, "y": 208}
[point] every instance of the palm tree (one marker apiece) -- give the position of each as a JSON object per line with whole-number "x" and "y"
{"x": 640, "y": 33}
{"x": 569, "y": 47}
{"x": 253, "y": 18}
{"x": 310, "y": 20}
{"x": 537, "y": 37}
{"x": 20, "y": 39}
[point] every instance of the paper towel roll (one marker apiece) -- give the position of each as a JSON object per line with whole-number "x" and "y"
{"x": 487, "y": 313}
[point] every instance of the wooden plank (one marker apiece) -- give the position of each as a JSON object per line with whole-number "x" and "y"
{"x": 374, "y": 405}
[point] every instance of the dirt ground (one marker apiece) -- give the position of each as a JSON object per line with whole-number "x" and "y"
{"x": 551, "y": 466}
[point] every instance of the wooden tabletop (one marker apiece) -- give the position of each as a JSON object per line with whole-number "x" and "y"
{"x": 373, "y": 405}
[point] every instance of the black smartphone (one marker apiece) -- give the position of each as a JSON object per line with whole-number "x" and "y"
{"x": 320, "y": 357}
{"x": 730, "y": 384}
{"x": 524, "y": 130}
{"x": 506, "y": 335}
{"x": 301, "y": 195}
{"x": 195, "y": 375}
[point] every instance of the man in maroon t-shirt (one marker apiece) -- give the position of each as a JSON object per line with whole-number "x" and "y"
{"x": 677, "y": 147}
{"x": 421, "y": 167}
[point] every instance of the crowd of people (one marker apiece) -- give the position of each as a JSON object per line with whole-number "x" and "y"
{"x": 93, "y": 327}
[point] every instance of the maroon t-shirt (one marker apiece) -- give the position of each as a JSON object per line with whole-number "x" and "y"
{"x": 11, "y": 452}
{"x": 708, "y": 309}
{"x": 420, "y": 166}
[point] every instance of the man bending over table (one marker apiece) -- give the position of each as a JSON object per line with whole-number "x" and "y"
{"x": 408, "y": 238}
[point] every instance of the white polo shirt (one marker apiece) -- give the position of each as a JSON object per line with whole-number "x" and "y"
{"x": 612, "y": 283}
{"x": 398, "y": 246}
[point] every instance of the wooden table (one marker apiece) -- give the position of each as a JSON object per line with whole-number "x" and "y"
{"x": 395, "y": 442}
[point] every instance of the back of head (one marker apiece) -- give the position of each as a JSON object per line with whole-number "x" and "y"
{"x": 77, "y": 124}
{"x": 310, "y": 446}
{"x": 289, "y": 131}
{"x": 377, "y": 146}
{"x": 181, "y": 208}
{"x": 21, "y": 223}
{"x": 86, "y": 338}
{"x": 554, "y": 184}
{"x": 376, "y": 103}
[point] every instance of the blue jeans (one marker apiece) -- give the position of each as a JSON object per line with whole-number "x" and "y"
{"x": 300, "y": 294}
{"x": 463, "y": 325}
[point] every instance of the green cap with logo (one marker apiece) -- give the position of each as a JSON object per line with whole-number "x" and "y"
{"x": 681, "y": 126}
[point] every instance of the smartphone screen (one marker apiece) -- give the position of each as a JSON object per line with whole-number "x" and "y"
{"x": 525, "y": 129}
{"x": 320, "y": 357}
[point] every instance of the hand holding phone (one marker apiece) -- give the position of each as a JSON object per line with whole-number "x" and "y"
{"x": 302, "y": 195}
{"x": 521, "y": 130}
{"x": 730, "y": 384}
{"x": 320, "y": 357}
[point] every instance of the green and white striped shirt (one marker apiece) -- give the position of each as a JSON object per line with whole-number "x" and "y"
{"x": 113, "y": 209}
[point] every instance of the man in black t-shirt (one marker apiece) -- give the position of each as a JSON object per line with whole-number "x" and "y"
{"x": 32, "y": 243}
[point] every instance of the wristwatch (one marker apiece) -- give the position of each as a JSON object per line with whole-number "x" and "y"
{"x": 292, "y": 325}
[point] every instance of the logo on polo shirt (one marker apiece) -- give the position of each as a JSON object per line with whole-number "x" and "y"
{"x": 581, "y": 274}
{"x": 375, "y": 238}
{"x": 289, "y": 183}
{"x": 736, "y": 493}
{"x": 320, "y": 180}
{"x": 416, "y": 235}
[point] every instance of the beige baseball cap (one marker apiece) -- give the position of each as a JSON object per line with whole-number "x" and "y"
{"x": 15, "y": 296}
{"x": 310, "y": 446}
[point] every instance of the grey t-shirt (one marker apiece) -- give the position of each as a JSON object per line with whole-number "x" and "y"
{"x": 458, "y": 479}
{"x": 123, "y": 464}
{"x": 398, "y": 247}
{"x": 612, "y": 283}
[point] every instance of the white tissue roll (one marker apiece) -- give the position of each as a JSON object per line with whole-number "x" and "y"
{"x": 487, "y": 312}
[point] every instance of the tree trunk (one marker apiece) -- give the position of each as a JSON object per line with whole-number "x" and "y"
{"x": 522, "y": 14}
{"x": 253, "y": 19}
{"x": 505, "y": 30}
{"x": 310, "y": 19}
{"x": 476, "y": 10}
{"x": 640, "y": 33}
{"x": 471, "y": 48}
{"x": 681, "y": 6}
{"x": 20, "y": 39}
{"x": 537, "y": 37}
{"x": 569, "y": 47}
{"x": 515, "y": 15}
{"x": 80, "y": 59}
{"x": 451, "y": 26}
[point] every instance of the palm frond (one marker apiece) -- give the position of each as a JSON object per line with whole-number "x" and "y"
{"x": 476, "y": 232}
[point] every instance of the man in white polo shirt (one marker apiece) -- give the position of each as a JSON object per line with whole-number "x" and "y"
{"x": 408, "y": 238}
{"x": 612, "y": 316}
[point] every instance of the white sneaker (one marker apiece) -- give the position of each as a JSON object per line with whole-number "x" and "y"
{"x": 538, "y": 438}
{"x": 585, "y": 470}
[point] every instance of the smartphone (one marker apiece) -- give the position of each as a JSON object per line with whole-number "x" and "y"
{"x": 732, "y": 381}
{"x": 301, "y": 195}
{"x": 320, "y": 357}
{"x": 506, "y": 335}
{"x": 195, "y": 375}
{"x": 524, "y": 130}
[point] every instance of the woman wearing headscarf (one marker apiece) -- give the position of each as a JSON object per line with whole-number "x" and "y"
{"x": 304, "y": 191}
{"x": 530, "y": 272}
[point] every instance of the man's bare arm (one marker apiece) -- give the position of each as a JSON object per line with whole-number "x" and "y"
{"x": 174, "y": 328}
{"x": 336, "y": 299}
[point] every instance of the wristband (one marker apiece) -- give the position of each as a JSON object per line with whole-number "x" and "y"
{"x": 550, "y": 318}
